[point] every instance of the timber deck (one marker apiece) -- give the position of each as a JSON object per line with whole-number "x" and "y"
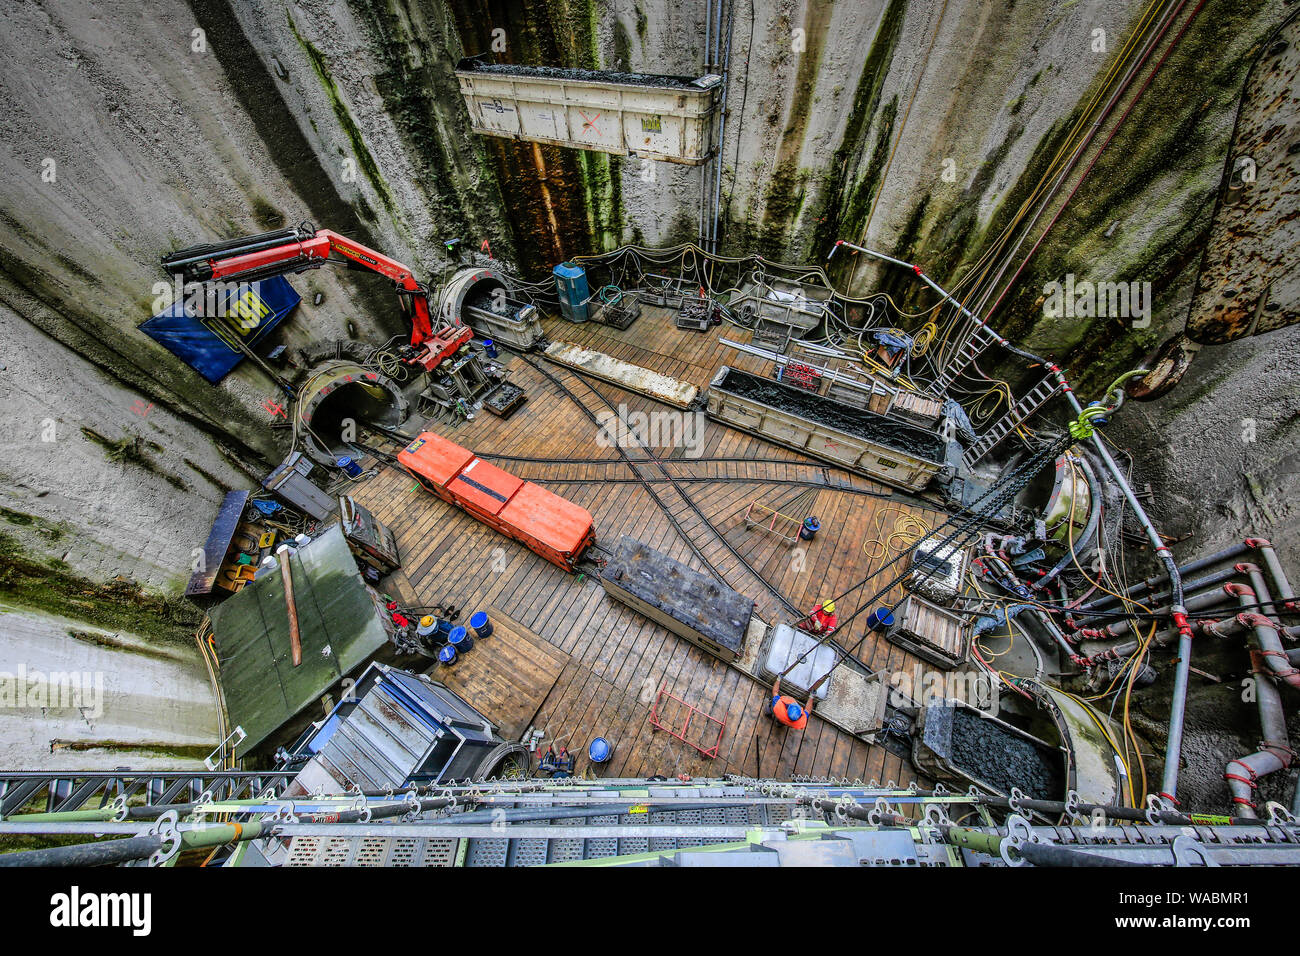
{"x": 599, "y": 664}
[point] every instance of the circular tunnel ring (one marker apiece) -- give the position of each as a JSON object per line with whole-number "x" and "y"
{"x": 340, "y": 392}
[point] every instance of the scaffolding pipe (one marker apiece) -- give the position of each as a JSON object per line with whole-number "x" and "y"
{"x": 1049, "y": 854}
{"x": 108, "y": 853}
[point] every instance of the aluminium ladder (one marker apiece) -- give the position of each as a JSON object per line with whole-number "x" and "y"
{"x": 1029, "y": 403}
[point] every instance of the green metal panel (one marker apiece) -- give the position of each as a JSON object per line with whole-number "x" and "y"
{"x": 340, "y": 630}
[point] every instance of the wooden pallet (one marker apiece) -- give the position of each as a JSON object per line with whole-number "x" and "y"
{"x": 929, "y": 631}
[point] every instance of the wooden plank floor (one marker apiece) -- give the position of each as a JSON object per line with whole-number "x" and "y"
{"x": 612, "y": 660}
{"x": 508, "y": 675}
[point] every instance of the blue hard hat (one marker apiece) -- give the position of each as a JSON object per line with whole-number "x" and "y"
{"x": 793, "y": 711}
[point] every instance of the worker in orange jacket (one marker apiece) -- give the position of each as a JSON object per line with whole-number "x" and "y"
{"x": 786, "y": 710}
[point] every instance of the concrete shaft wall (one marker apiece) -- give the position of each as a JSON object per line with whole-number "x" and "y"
{"x": 135, "y": 128}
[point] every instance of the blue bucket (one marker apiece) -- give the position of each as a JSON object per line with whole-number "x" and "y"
{"x": 600, "y": 750}
{"x": 481, "y": 625}
{"x": 881, "y": 619}
{"x": 350, "y": 467}
{"x": 446, "y": 655}
{"x": 489, "y": 348}
{"x": 459, "y": 638}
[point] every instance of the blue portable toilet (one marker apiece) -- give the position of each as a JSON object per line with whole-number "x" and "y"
{"x": 571, "y": 285}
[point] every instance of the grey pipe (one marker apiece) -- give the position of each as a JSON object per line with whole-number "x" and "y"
{"x": 722, "y": 123}
{"x": 1197, "y": 602}
{"x": 1263, "y": 599}
{"x": 1267, "y": 636}
{"x": 1190, "y": 587}
{"x": 1274, "y": 566}
{"x": 1185, "y": 569}
{"x": 528, "y": 814}
{"x": 1275, "y": 751}
{"x": 86, "y": 854}
{"x": 1275, "y": 754}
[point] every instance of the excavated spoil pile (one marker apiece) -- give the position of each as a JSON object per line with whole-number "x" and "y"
{"x": 687, "y": 602}
{"x": 503, "y": 399}
{"x": 987, "y": 752}
{"x": 859, "y": 422}
{"x": 488, "y": 301}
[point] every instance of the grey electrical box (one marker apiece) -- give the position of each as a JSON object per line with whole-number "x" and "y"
{"x": 290, "y": 481}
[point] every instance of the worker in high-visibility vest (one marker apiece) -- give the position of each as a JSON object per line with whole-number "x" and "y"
{"x": 784, "y": 709}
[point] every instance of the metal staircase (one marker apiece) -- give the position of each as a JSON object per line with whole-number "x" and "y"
{"x": 1029, "y": 403}
{"x": 979, "y": 339}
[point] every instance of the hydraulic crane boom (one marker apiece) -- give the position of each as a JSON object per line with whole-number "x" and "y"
{"x": 297, "y": 250}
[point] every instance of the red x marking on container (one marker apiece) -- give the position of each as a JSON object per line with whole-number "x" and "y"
{"x": 590, "y": 122}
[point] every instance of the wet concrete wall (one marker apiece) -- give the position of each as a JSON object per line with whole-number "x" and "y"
{"x": 915, "y": 127}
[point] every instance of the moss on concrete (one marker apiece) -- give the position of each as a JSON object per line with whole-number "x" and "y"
{"x": 1169, "y": 150}
{"x": 27, "y": 581}
{"x": 360, "y": 152}
{"x": 846, "y": 199}
{"x": 132, "y": 449}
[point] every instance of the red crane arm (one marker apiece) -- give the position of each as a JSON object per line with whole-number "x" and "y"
{"x": 260, "y": 257}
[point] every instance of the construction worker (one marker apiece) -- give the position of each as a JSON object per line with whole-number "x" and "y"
{"x": 786, "y": 710}
{"x": 823, "y": 619}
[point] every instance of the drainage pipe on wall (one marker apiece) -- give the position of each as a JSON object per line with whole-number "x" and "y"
{"x": 1197, "y": 602}
{"x": 1274, "y": 566}
{"x": 1261, "y": 545}
{"x": 1275, "y": 750}
{"x": 722, "y": 122}
{"x": 1137, "y": 591}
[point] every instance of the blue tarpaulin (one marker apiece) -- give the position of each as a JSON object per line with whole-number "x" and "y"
{"x": 248, "y": 311}
{"x": 894, "y": 342}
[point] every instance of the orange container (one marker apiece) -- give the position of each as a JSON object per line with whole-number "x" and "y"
{"x": 553, "y": 527}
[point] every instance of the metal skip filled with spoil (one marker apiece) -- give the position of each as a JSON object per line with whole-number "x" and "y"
{"x": 558, "y": 530}
{"x": 879, "y": 447}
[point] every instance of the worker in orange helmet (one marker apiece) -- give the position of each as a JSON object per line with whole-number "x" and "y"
{"x": 786, "y": 710}
{"x": 823, "y": 619}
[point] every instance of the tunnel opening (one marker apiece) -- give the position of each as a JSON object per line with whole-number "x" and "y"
{"x": 337, "y": 401}
{"x": 486, "y": 301}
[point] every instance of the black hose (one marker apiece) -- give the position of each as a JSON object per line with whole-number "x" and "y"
{"x": 107, "y": 853}
{"x": 1049, "y": 854}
